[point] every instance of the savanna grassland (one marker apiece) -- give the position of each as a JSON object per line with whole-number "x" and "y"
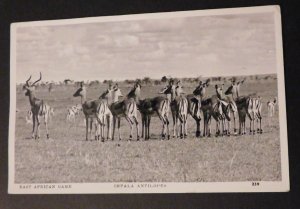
{"x": 67, "y": 157}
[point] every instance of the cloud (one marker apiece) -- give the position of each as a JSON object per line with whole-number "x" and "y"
{"x": 149, "y": 47}
{"x": 67, "y": 50}
{"x": 126, "y": 40}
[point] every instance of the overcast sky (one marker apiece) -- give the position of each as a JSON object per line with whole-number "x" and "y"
{"x": 180, "y": 47}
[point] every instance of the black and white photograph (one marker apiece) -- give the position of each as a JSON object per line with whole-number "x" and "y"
{"x": 169, "y": 102}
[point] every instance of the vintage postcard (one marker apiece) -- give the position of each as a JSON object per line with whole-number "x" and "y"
{"x": 173, "y": 102}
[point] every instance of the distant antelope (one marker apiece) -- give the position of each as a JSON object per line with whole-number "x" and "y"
{"x": 28, "y": 117}
{"x": 179, "y": 108}
{"x": 73, "y": 111}
{"x": 247, "y": 105}
{"x": 271, "y": 107}
{"x": 92, "y": 110}
{"x": 38, "y": 108}
{"x": 126, "y": 108}
{"x": 149, "y": 107}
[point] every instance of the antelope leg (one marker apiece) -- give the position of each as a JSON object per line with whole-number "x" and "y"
{"x": 86, "y": 128}
{"x": 46, "y": 125}
{"x": 119, "y": 124}
{"x": 33, "y": 126}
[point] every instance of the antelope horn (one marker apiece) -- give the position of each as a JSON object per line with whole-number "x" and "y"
{"x": 28, "y": 80}
{"x": 37, "y": 79}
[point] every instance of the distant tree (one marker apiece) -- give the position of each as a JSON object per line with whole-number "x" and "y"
{"x": 157, "y": 82}
{"x": 94, "y": 83}
{"x": 107, "y": 81}
{"x": 50, "y": 89}
{"x": 164, "y": 79}
{"x": 67, "y": 81}
{"x": 127, "y": 81}
{"x": 138, "y": 80}
{"x": 147, "y": 80}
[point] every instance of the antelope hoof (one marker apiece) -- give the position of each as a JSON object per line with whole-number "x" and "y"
{"x": 102, "y": 140}
{"x": 261, "y": 131}
{"x": 168, "y": 136}
{"x": 209, "y": 135}
{"x": 130, "y": 137}
{"x": 181, "y": 136}
{"x": 138, "y": 138}
{"x": 198, "y": 133}
{"x": 228, "y": 133}
{"x": 96, "y": 138}
{"x": 48, "y": 136}
{"x": 163, "y": 136}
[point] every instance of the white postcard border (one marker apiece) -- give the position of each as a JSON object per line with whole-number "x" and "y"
{"x": 154, "y": 187}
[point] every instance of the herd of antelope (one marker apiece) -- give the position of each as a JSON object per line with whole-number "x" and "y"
{"x": 108, "y": 109}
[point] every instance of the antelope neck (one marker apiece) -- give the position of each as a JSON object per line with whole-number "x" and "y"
{"x": 31, "y": 98}
{"x": 83, "y": 98}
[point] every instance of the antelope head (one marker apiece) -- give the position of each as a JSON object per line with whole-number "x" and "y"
{"x": 135, "y": 91}
{"x": 201, "y": 88}
{"x": 219, "y": 90}
{"x": 179, "y": 89}
{"x": 81, "y": 92}
{"x": 234, "y": 89}
{"x": 116, "y": 93}
{"x": 30, "y": 87}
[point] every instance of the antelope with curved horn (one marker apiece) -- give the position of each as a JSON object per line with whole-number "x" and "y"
{"x": 126, "y": 108}
{"x": 149, "y": 107}
{"x": 92, "y": 109}
{"x": 179, "y": 108}
{"x": 247, "y": 105}
{"x": 38, "y": 108}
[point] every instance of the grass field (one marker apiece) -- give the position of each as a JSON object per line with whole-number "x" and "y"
{"x": 67, "y": 157}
